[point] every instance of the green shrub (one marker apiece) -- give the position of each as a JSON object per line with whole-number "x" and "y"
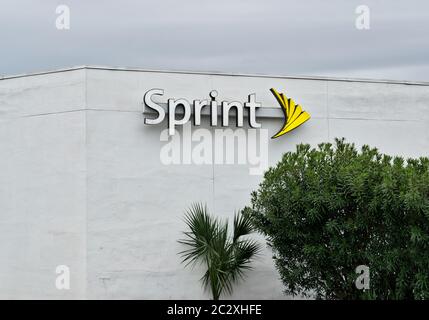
{"x": 325, "y": 211}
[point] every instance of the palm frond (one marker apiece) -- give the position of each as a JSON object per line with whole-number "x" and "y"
{"x": 203, "y": 228}
{"x": 242, "y": 226}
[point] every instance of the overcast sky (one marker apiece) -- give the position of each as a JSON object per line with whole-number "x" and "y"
{"x": 307, "y": 37}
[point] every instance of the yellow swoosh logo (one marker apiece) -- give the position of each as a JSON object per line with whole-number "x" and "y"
{"x": 294, "y": 115}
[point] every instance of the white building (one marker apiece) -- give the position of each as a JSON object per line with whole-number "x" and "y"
{"x": 83, "y": 184}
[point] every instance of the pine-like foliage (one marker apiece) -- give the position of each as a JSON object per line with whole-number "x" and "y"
{"x": 325, "y": 211}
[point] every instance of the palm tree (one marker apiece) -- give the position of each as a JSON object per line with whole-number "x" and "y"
{"x": 225, "y": 258}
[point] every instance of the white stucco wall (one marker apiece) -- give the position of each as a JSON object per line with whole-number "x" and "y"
{"x": 42, "y": 184}
{"x": 82, "y": 184}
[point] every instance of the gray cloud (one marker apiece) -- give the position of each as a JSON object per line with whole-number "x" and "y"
{"x": 310, "y": 37}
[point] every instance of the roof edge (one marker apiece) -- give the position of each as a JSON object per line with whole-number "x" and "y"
{"x": 215, "y": 73}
